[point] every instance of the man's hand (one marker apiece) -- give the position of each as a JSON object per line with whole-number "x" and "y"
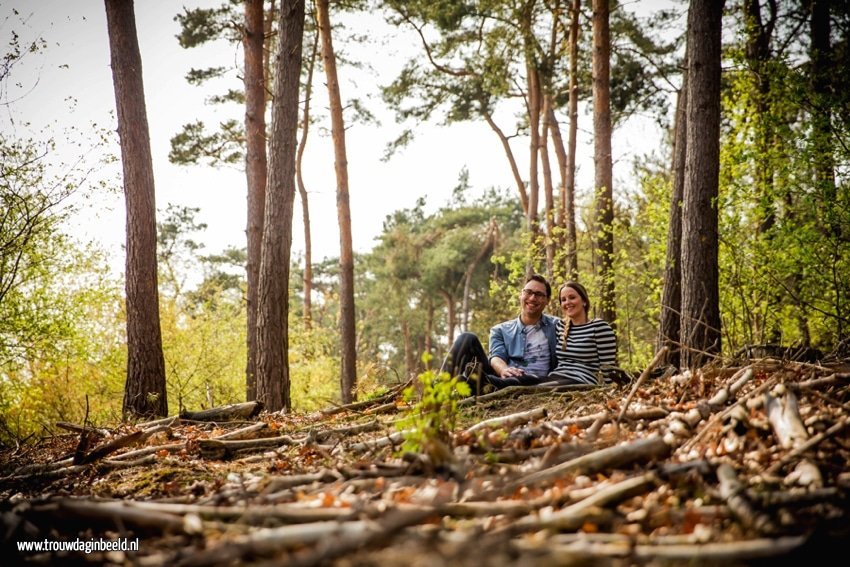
{"x": 503, "y": 370}
{"x": 511, "y": 371}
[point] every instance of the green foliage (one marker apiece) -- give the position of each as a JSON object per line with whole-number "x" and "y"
{"x": 418, "y": 270}
{"x": 640, "y": 234}
{"x": 194, "y": 145}
{"x": 431, "y": 420}
{"x": 783, "y": 259}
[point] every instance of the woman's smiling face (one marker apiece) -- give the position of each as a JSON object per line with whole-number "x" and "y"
{"x": 572, "y": 305}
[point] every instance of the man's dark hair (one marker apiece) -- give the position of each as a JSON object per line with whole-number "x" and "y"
{"x": 541, "y": 279}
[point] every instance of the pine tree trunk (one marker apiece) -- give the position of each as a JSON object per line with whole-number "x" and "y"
{"x": 348, "y": 374}
{"x": 570, "y": 189}
{"x": 671, "y": 297}
{"x": 302, "y": 189}
{"x": 523, "y": 194}
{"x": 548, "y": 192}
{"x": 604, "y": 221}
{"x": 255, "y": 170}
{"x": 144, "y": 390}
{"x": 273, "y": 381}
{"x": 700, "y": 293}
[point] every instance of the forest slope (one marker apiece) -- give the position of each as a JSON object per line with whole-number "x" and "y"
{"x": 729, "y": 465}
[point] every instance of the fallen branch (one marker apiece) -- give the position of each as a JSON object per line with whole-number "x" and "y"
{"x": 355, "y": 406}
{"x": 612, "y": 457}
{"x": 218, "y": 449}
{"x": 774, "y": 468}
{"x": 243, "y": 432}
{"x": 230, "y": 412}
{"x": 574, "y": 516}
{"x": 732, "y": 491}
{"x": 508, "y": 421}
{"x": 784, "y": 417}
{"x": 662, "y": 352}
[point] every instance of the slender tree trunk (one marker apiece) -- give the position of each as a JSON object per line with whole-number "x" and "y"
{"x": 144, "y": 390}
{"x": 429, "y": 327}
{"x": 561, "y": 157}
{"x": 548, "y": 192}
{"x": 820, "y": 54}
{"x": 255, "y": 170}
{"x": 570, "y": 175}
{"x": 671, "y": 298}
{"x": 348, "y": 374}
{"x": 409, "y": 359}
{"x": 269, "y": 44}
{"x": 534, "y": 148}
{"x": 604, "y": 220}
{"x": 451, "y": 321}
{"x": 483, "y": 252}
{"x": 758, "y": 58}
{"x": 302, "y": 189}
{"x": 520, "y": 184}
{"x": 273, "y": 380}
{"x": 700, "y": 293}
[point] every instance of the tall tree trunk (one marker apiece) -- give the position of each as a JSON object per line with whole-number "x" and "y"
{"x": 144, "y": 389}
{"x": 429, "y": 327}
{"x": 523, "y": 193}
{"x": 409, "y": 359}
{"x": 534, "y": 93}
{"x": 824, "y": 160}
{"x": 700, "y": 293}
{"x": 570, "y": 176}
{"x": 348, "y": 374}
{"x": 490, "y": 239}
{"x": 671, "y": 297}
{"x": 758, "y": 59}
{"x": 451, "y": 315}
{"x": 273, "y": 382}
{"x": 604, "y": 218}
{"x": 255, "y": 170}
{"x": 302, "y": 189}
{"x": 548, "y": 192}
{"x": 561, "y": 157}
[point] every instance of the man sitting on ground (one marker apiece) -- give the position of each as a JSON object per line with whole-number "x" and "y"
{"x": 522, "y": 350}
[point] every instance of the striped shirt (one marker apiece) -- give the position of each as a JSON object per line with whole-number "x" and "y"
{"x": 589, "y": 346}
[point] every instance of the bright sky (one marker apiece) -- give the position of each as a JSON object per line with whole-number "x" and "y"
{"x": 76, "y": 64}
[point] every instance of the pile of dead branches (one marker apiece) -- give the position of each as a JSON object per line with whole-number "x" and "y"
{"x": 722, "y": 465}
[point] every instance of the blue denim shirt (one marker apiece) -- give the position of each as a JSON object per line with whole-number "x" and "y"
{"x": 507, "y": 341}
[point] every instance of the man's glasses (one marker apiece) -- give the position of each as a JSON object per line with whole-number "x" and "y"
{"x": 536, "y": 294}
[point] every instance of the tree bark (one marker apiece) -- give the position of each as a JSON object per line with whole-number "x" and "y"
{"x": 255, "y": 170}
{"x": 604, "y": 220}
{"x": 548, "y": 192}
{"x": 570, "y": 176}
{"x": 700, "y": 293}
{"x": 144, "y": 390}
{"x": 273, "y": 303}
{"x": 302, "y": 189}
{"x": 348, "y": 373}
{"x": 671, "y": 298}
{"x": 533, "y": 149}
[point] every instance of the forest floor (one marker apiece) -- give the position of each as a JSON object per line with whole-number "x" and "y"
{"x": 739, "y": 465}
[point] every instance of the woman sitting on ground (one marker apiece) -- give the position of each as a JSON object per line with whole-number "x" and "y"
{"x": 585, "y": 345}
